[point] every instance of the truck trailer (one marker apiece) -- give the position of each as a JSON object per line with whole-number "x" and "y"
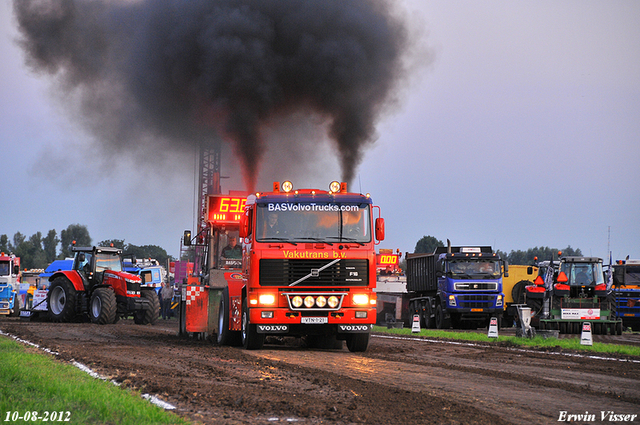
{"x": 456, "y": 286}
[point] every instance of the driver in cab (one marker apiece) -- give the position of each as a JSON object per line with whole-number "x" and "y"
{"x": 232, "y": 250}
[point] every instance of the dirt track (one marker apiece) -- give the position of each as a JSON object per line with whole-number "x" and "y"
{"x": 395, "y": 381}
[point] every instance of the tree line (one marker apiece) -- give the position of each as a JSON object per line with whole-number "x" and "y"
{"x": 38, "y": 251}
{"x": 428, "y": 244}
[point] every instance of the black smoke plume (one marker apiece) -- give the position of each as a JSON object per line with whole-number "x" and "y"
{"x": 187, "y": 72}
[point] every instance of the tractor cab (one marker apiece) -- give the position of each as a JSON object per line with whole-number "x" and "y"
{"x": 580, "y": 277}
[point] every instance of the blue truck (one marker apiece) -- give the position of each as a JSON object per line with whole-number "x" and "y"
{"x": 9, "y": 284}
{"x": 456, "y": 286}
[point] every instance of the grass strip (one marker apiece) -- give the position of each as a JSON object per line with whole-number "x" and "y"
{"x": 33, "y": 382}
{"x": 537, "y": 342}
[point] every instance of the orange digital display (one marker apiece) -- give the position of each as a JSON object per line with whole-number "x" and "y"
{"x": 223, "y": 209}
{"x": 384, "y": 259}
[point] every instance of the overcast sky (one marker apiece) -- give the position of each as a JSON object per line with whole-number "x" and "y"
{"x": 523, "y": 131}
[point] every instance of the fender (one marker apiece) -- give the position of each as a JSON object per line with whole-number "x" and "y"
{"x": 72, "y": 276}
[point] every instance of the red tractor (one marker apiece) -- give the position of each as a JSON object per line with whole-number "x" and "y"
{"x": 99, "y": 286}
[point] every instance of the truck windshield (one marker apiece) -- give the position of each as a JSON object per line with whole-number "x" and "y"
{"x": 583, "y": 274}
{"x": 322, "y": 222}
{"x": 487, "y": 269}
{"x": 108, "y": 261}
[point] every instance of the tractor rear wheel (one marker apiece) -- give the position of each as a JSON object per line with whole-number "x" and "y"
{"x": 150, "y": 314}
{"x": 103, "y": 307}
{"x": 61, "y": 300}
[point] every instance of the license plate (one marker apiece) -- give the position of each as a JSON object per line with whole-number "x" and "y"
{"x": 314, "y": 320}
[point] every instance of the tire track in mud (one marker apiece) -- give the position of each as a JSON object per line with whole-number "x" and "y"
{"x": 517, "y": 388}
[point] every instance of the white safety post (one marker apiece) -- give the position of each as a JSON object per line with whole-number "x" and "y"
{"x": 493, "y": 328}
{"x": 415, "y": 326}
{"x": 586, "y": 337}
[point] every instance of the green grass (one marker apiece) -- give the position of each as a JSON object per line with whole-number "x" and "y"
{"x": 537, "y": 342}
{"x": 37, "y": 383}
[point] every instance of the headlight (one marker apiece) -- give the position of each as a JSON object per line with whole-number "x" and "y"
{"x": 361, "y": 299}
{"x": 296, "y": 301}
{"x": 499, "y": 301}
{"x": 309, "y": 301}
{"x": 321, "y": 301}
{"x": 333, "y": 301}
{"x": 452, "y": 300}
{"x": 267, "y": 299}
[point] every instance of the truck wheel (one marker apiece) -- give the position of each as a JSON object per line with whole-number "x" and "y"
{"x": 102, "y": 309}
{"x": 441, "y": 322}
{"x": 61, "y": 300}
{"x": 149, "y": 315}
{"x": 619, "y": 328}
{"x": 226, "y": 336}
{"x": 357, "y": 343}
{"x": 16, "y": 306}
{"x": 429, "y": 322}
{"x": 251, "y": 339}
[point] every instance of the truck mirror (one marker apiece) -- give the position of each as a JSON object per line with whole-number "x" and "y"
{"x": 16, "y": 269}
{"x": 506, "y": 269}
{"x": 187, "y": 238}
{"x": 245, "y": 228}
{"x": 380, "y": 228}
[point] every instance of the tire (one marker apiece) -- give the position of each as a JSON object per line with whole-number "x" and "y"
{"x": 251, "y": 339}
{"x": 357, "y": 343}
{"x": 517, "y": 292}
{"x": 61, "y": 300}
{"x": 441, "y": 322}
{"x": 149, "y": 315}
{"x": 619, "y": 328}
{"x": 226, "y": 336}
{"x": 16, "y": 307}
{"x": 429, "y": 322}
{"x": 103, "y": 307}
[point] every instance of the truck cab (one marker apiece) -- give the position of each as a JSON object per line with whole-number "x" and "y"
{"x": 470, "y": 284}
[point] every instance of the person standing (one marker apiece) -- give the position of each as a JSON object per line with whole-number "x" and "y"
{"x": 166, "y": 294}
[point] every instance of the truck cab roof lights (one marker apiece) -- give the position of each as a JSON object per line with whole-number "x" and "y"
{"x": 287, "y": 186}
{"x": 334, "y": 186}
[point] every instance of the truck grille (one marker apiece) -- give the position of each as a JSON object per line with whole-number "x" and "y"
{"x": 475, "y": 301}
{"x": 284, "y": 272}
{"x": 476, "y": 286}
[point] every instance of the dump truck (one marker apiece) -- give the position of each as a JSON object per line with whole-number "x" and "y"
{"x": 456, "y": 286}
